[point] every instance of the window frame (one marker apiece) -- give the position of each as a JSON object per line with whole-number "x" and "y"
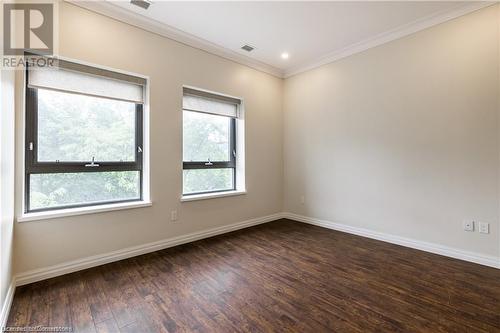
{"x": 33, "y": 166}
{"x": 202, "y": 165}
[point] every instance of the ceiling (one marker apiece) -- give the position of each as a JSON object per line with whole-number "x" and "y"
{"x": 312, "y": 33}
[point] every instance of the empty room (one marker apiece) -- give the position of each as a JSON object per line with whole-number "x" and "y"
{"x": 257, "y": 166}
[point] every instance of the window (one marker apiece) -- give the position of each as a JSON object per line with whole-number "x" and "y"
{"x": 84, "y": 137}
{"x": 209, "y": 142}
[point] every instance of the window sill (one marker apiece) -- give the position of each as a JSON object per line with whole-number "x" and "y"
{"x": 204, "y": 196}
{"x": 81, "y": 211}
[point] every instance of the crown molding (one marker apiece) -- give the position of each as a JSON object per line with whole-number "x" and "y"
{"x": 118, "y": 13}
{"x": 109, "y": 9}
{"x": 389, "y": 36}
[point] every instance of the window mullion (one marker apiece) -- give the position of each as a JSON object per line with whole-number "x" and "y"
{"x": 232, "y": 145}
{"x": 204, "y": 165}
{"x": 31, "y": 119}
{"x": 72, "y": 167}
{"x": 139, "y": 148}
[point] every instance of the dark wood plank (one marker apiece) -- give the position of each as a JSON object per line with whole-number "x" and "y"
{"x": 94, "y": 283}
{"x": 39, "y": 306}
{"x": 114, "y": 285}
{"x": 59, "y": 310}
{"x": 81, "y": 315}
{"x": 281, "y": 276}
{"x": 19, "y": 310}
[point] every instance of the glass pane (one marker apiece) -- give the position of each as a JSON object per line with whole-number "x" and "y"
{"x": 75, "y": 128}
{"x": 64, "y": 189}
{"x": 206, "y": 137}
{"x": 207, "y": 180}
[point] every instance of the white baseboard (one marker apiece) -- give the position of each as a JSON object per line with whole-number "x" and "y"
{"x": 4, "y": 315}
{"x": 477, "y": 258}
{"x": 88, "y": 262}
{"x": 101, "y": 259}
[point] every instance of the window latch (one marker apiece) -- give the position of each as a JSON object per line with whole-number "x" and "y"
{"x": 31, "y": 146}
{"x": 209, "y": 163}
{"x": 234, "y": 152}
{"x": 92, "y": 164}
{"x": 139, "y": 149}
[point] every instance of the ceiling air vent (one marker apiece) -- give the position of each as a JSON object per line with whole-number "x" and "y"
{"x": 141, "y": 3}
{"x": 248, "y": 48}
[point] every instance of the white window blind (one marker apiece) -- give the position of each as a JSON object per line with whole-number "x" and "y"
{"x": 200, "y": 101}
{"x": 86, "y": 80}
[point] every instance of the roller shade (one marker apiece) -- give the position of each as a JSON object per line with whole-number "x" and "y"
{"x": 200, "y": 101}
{"x": 87, "y": 80}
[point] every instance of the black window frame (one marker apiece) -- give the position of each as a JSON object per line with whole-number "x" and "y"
{"x": 33, "y": 166}
{"x": 201, "y": 165}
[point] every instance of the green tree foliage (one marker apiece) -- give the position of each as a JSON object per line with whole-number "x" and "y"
{"x": 76, "y": 128}
{"x": 62, "y": 189}
{"x": 206, "y": 137}
{"x": 206, "y": 180}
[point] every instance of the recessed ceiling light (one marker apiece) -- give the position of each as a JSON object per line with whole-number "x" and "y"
{"x": 285, "y": 55}
{"x": 144, "y": 4}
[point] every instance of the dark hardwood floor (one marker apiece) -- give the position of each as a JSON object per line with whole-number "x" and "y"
{"x": 283, "y": 276}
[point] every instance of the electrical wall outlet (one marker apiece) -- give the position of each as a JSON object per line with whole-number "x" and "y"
{"x": 484, "y": 227}
{"x": 469, "y": 225}
{"x": 173, "y": 216}
{"x": 302, "y": 199}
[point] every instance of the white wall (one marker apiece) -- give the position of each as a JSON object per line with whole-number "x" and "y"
{"x": 94, "y": 38}
{"x": 6, "y": 180}
{"x": 498, "y": 99}
{"x": 403, "y": 138}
